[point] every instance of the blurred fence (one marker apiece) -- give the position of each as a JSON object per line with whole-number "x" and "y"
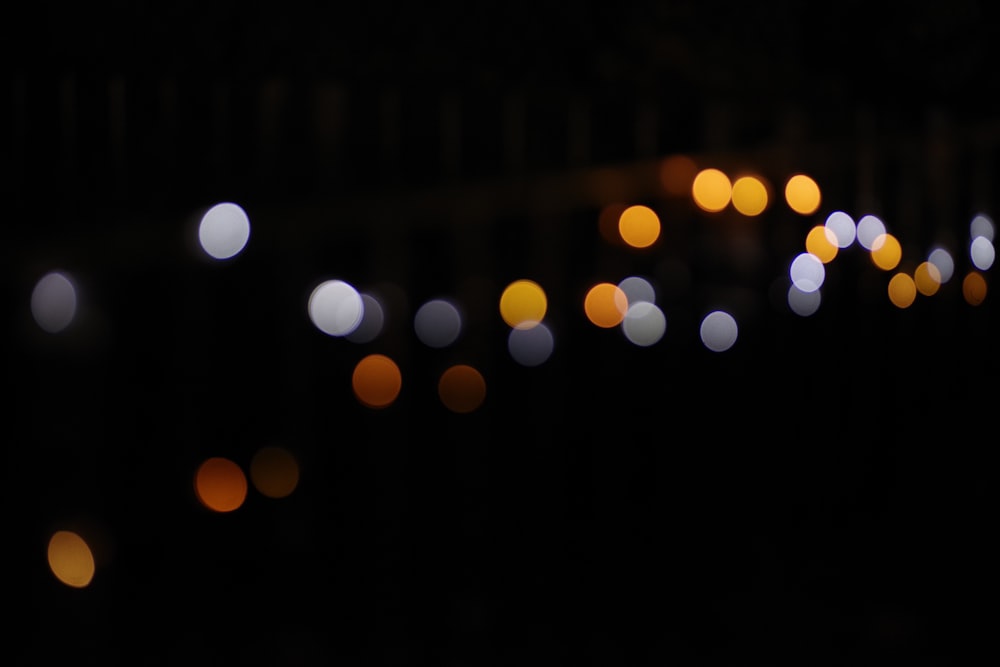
{"x": 130, "y": 140}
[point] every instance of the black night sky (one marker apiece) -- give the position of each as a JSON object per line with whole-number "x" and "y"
{"x": 821, "y": 494}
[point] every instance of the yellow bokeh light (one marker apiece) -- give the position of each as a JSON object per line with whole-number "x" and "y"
{"x": 220, "y": 484}
{"x": 639, "y": 226}
{"x": 71, "y": 559}
{"x": 927, "y": 278}
{"x": 822, "y": 242}
{"x": 886, "y": 252}
{"x": 605, "y": 305}
{"x": 974, "y": 288}
{"x": 376, "y": 381}
{"x": 523, "y": 304}
{"x": 749, "y": 195}
{"x": 274, "y": 472}
{"x": 712, "y": 190}
{"x": 462, "y": 388}
{"x": 902, "y": 290}
{"x": 802, "y": 194}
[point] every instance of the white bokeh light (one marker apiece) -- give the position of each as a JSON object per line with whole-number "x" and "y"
{"x": 224, "y": 230}
{"x": 54, "y": 302}
{"x": 870, "y": 227}
{"x": 843, "y": 227}
{"x": 437, "y": 323}
{"x": 335, "y": 307}
{"x": 807, "y": 272}
{"x": 644, "y": 323}
{"x": 982, "y": 253}
{"x": 719, "y": 331}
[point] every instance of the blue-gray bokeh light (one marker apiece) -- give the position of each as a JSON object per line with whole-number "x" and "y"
{"x": 531, "y": 347}
{"x": 803, "y": 303}
{"x": 945, "y": 263}
{"x": 54, "y": 302}
{"x": 372, "y": 321}
{"x": 438, "y": 323}
{"x": 719, "y": 331}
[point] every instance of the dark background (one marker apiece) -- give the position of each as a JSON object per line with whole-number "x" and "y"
{"x": 616, "y": 505}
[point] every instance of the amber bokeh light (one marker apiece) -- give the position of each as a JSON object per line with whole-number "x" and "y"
{"x": 802, "y": 194}
{"x": 639, "y": 226}
{"x": 70, "y": 559}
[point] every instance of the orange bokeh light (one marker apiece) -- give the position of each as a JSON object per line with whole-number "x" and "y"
{"x": 220, "y": 484}
{"x": 605, "y": 305}
{"x": 376, "y": 381}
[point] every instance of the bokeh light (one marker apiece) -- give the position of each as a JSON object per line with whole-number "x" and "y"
{"x": 531, "y": 347}
{"x": 822, "y": 242}
{"x": 637, "y": 288}
{"x": 749, "y": 195}
{"x": 677, "y": 173}
{"x": 523, "y": 304}
{"x": 886, "y": 252}
{"x": 274, "y": 471}
{"x": 54, "y": 301}
{"x": 220, "y": 484}
{"x": 437, "y": 323}
{"x": 974, "y": 288}
{"x": 902, "y": 290}
{"x": 803, "y": 303}
{"x": 712, "y": 190}
{"x": 982, "y": 225}
{"x": 607, "y": 222}
{"x": 718, "y": 331}
{"x": 807, "y": 272}
{"x": 462, "y": 388}
{"x": 802, "y": 194}
{"x": 372, "y": 320}
{"x": 71, "y": 559}
{"x": 927, "y": 278}
{"x": 224, "y": 230}
{"x": 870, "y": 227}
{"x": 335, "y": 307}
{"x": 982, "y": 253}
{"x": 605, "y": 305}
{"x": 844, "y": 229}
{"x": 376, "y": 381}
{"x": 945, "y": 263}
{"x": 639, "y": 226}
{"x": 644, "y": 323}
